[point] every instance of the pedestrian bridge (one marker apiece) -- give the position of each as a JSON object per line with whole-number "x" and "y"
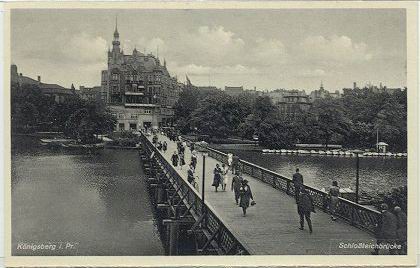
{"x": 271, "y": 227}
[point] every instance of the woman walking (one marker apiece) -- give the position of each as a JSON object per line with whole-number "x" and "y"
{"x": 217, "y": 177}
{"x": 164, "y": 146}
{"x": 230, "y": 159}
{"x": 224, "y": 181}
{"x": 193, "y": 159}
{"x": 175, "y": 159}
{"x": 245, "y": 195}
{"x": 333, "y": 195}
{"x": 181, "y": 159}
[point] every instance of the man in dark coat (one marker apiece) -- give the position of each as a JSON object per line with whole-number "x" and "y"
{"x": 236, "y": 186}
{"x": 174, "y": 159}
{"x": 298, "y": 183}
{"x": 401, "y": 229}
{"x": 387, "y": 231}
{"x": 305, "y": 207}
{"x": 245, "y": 195}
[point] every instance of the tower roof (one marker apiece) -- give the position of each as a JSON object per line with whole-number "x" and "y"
{"x": 116, "y": 34}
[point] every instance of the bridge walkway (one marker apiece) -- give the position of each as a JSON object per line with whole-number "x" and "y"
{"x": 271, "y": 227}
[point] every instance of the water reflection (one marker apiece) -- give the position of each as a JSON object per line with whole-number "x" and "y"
{"x": 99, "y": 202}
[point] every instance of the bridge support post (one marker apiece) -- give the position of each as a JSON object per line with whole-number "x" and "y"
{"x": 173, "y": 238}
{"x": 159, "y": 194}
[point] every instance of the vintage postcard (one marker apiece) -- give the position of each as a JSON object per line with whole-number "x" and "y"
{"x": 211, "y": 134}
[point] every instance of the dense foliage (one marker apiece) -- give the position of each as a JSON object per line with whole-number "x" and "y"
{"x": 33, "y": 111}
{"x": 352, "y": 120}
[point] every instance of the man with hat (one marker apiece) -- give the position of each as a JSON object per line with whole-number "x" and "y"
{"x": 387, "y": 229}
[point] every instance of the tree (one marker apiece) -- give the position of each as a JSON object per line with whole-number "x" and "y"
{"x": 330, "y": 119}
{"x": 87, "y": 122}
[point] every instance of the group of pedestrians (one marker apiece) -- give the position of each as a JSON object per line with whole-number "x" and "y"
{"x": 178, "y": 156}
{"x": 220, "y": 177}
{"x": 391, "y": 230}
{"x": 305, "y": 203}
{"x": 239, "y": 186}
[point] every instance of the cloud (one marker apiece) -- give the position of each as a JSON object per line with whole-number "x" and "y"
{"x": 268, "y": 52}
{"x": 334, "y": 48}
{"x": 200, "y": 70}
{"x": 86, "y": 49}
{"x": 312, "y": 73}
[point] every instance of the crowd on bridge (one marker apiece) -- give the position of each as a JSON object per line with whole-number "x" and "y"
{"x": 391, "y": 229}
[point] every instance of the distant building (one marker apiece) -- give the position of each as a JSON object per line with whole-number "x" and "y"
{"x": 93, "y": 94}
{"x": 208, "y": 88}
{"x": 290, "y": 102}
{"x": 139, "y": 90}
{"x": 57, "y": 92}
{"x": 373, "y": 88}
{"x": 234, "y": 91}
{"x": 321, "y": 93}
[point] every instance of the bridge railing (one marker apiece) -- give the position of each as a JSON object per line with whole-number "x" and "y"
{"x": 214, "y": 227}
{"x": 357, "y": 215}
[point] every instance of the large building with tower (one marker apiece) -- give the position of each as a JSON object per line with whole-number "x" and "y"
{"x": 138, "y": 89}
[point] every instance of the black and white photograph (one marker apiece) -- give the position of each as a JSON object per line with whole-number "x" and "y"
{"x": 210, "y": 131}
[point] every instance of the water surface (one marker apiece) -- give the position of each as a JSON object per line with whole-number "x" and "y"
{"x": 96, "y": 202}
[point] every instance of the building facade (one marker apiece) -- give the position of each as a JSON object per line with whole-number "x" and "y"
{"x": 58, "y": 93}
{"x": 138, "y": 89}
{"x": 290, "y": 102}
{"x": 321, "y": 93}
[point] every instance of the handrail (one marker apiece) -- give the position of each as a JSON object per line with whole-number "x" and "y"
{"x": 357, "y": 215}
{"x": 227, "y": 242}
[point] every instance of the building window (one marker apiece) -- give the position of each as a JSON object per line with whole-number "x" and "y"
{"x": 121, "y": 126}
{"x": 133, "y": 116}
{"x": 133, "y": 126}
{"x": 121, "y": 116}
{"x": 115, "y": 77}
{"x": 147, "y": 111}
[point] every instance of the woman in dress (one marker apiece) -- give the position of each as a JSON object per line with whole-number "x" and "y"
{"x": 245, "y": 195}
{"x": 333, "y": 194}
{"x": 224, "y": 181}
{"x": 217, "y": 177}
{"x": 181, "y": 159}
{"x": 174, "y": 159}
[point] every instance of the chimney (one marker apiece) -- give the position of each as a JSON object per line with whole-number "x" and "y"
{"x": 39, "y": 78}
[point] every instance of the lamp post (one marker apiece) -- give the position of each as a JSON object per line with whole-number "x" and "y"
{"x": 357, "y": 152}
{"x": 203, "y": 184}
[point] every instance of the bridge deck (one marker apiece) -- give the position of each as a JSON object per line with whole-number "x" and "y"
{"x": 271, "y": 227}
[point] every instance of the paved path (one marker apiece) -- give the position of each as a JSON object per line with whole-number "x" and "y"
{"x": 272, "y": 226}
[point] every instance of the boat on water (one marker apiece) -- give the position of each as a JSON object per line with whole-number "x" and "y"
{"x": 283, "y": 151}
{"x": 56, "y": 141}
{"x": 328, "y": 153}
{"x": 322, "y": 152}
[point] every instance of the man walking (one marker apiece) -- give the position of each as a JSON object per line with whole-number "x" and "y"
{"x": 387, "y": 230}
{"x": 236, "y": 186}
{"x": 298, "y": 183}
{"x": 305, "y": 207}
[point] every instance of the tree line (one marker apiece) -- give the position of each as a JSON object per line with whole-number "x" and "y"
{"x": 352, "y": 120}
{"x": 33, "y": 111}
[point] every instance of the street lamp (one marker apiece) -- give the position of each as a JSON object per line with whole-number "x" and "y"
{"x": 203, "y": 184}
{"x": 357, "y": 152}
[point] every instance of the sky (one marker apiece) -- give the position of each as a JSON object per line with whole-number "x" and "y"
{"x": 265, "y": 49}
